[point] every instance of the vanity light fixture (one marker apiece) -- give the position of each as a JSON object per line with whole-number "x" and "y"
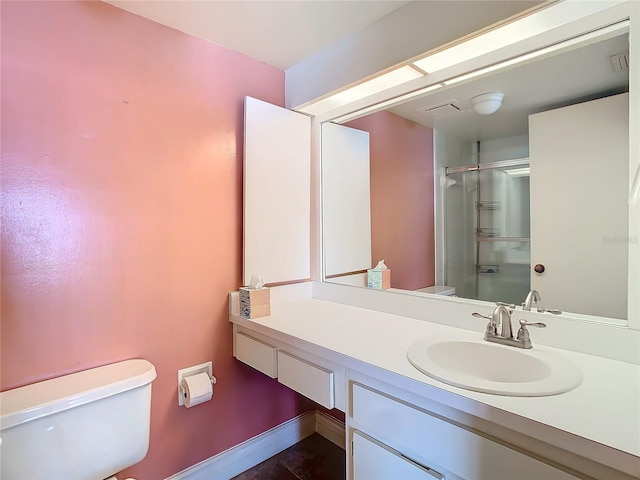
{"x": 516, "y": 31}
{"x": 375, "y": 85}
{"x": 487, "y": 103}
{"x": 386, "y": 103}
{"x": 597, "y": 35}
{"x": 502, "y": 36}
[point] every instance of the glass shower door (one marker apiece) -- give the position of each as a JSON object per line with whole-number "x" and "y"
{"x": 460, "y": 226}
{"x": 487, "y": 231}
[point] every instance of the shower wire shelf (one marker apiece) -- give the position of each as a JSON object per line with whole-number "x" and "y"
{"x": 487, "y": 232}
{"x": 502, "y": 239}
{"x": 488, "y": 206}
{"x": 488, "y": 268}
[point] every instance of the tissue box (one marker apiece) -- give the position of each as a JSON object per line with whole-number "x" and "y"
{"x": 379, "y": 279}
{"x": 255, "y": 302}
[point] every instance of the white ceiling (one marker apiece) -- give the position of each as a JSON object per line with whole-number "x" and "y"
{"x": 279, "y": 33}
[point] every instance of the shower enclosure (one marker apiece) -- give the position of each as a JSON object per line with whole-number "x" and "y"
{"x": 487, "y": 234}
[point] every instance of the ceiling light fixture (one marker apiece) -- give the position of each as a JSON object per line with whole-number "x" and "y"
{"x": 487, "y": 103}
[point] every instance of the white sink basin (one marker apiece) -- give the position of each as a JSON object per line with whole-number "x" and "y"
{"x": 474, "y": 364}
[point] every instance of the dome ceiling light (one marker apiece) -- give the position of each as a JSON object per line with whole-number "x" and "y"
{"x": 487, "y": 103}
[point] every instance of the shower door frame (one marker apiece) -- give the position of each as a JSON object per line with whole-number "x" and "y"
{"x": 446, "y": 171}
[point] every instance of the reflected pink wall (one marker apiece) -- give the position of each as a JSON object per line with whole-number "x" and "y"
{"x": 121, "y": 214}
{"x": 402, "y": 217}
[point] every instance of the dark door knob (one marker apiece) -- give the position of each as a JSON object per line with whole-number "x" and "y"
{"x": 539, "y": 268}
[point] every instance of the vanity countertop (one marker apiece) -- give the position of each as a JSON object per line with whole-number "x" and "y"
{"x": 604, "y": 409}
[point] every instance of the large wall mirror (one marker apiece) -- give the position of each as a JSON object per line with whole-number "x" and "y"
{"x": 491, "y": 206}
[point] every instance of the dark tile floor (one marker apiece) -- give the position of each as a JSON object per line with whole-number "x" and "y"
{"x": 314, "y": 458}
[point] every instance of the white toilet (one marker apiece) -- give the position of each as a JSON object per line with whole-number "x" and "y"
{"x": 87, "y": 425}
{"x": 439, "y": 290}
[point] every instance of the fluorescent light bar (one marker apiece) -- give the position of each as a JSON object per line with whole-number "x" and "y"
{"x": 608, "y": 32}
{"x": 514, "y": 32}
{"x": 375, "y": 85}
{"x": 386, "y": 103}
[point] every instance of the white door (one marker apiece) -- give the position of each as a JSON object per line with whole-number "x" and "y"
{"x": 579, "y": 223}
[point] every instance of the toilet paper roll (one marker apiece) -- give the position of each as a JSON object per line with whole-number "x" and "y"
{"x": 197, "y": 389}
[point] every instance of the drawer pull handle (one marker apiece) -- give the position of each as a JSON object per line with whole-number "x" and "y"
{"x": 434, "y": 473}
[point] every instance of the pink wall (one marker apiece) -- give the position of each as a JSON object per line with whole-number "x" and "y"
{"x": 402, "y": 216}
{"x": 121, "y": 214}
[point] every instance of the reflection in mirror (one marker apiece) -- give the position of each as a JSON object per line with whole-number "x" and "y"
{"x": 487, "y": 230}
{"x": 467, "y": 204}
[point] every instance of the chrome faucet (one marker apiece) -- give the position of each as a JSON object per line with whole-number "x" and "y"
{"x": 532, "y": 297}
{"x": 501, "y": 316}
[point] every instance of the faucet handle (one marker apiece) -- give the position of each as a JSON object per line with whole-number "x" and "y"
{"x": 523, "y": 333}
{"x": 492, "y": 328}
{"x": 524, "y": 323}
{"x": 549, "y": 310}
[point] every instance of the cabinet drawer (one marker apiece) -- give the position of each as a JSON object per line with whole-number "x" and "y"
{"x": 375, "y": 461}
{"x": 257, "y": 354}
{"x": 431, "y": 441}
{"x": 310, "y": 380}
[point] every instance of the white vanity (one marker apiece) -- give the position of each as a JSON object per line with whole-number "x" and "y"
{"x": 346, "y": 347}
{"x": 401, "y": 423}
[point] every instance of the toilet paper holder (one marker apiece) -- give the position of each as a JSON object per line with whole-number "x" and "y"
{"x": 206, "y": 367}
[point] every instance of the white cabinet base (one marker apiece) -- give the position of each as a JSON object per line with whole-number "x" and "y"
{"x": 427, "y": 440}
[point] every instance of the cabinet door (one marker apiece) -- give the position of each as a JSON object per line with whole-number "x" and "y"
{"x": 346, "y": 203}
{"x": 277, "y": 193}
{"x": 373, "y": 460}
{"x": 579, "y": 186}
{"x": 432, "y": 441}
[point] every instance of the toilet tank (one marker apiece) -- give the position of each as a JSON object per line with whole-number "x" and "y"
{"x": 86, "y": 425}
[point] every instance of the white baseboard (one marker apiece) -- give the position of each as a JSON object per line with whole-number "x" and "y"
{"x": 250, "y": 453}
{"x": 330, "y": 428}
